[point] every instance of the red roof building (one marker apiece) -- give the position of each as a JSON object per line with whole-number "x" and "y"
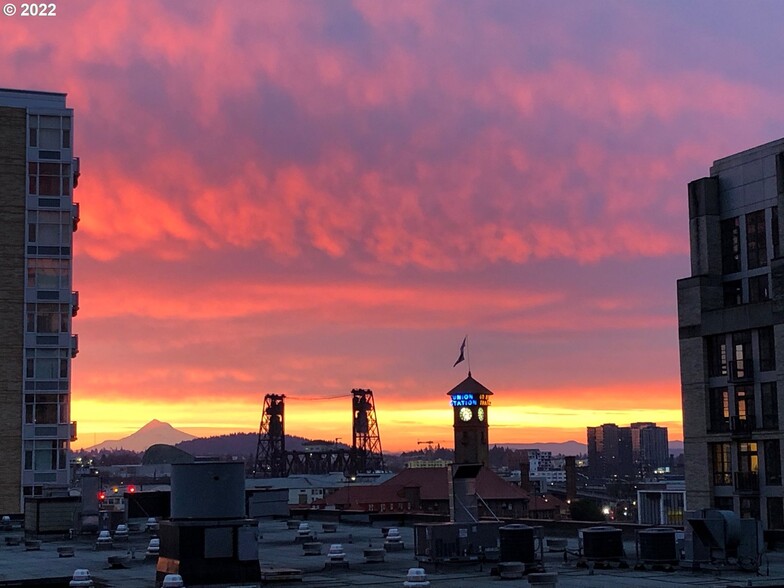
{"x": 427, "y": 490}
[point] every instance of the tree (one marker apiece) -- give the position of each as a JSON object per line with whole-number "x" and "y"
{"x": 585, "y": 510}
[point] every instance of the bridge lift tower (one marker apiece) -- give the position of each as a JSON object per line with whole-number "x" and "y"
{"x": 271, "y": 445}
{"x": 366, "y": 454}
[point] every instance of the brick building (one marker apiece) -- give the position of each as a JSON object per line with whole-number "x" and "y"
{"x": 37, "y": 175}
{"x": 428, "y": 490}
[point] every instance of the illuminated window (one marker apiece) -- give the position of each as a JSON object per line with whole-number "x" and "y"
{"x": 717, "y": 356}
{"x": 719, "y": 410}
{"x": 721, "y": 458}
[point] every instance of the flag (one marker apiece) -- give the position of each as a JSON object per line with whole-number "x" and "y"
{"x": 462, "y": 350}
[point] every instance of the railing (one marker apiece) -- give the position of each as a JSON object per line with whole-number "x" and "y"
{"x": 719, "y": 425}
{"x": 75, "y": 217}
{"x": 722, "y": 479}
{"x": 741, "y": 370}
{"x": 743, "y": 426}
{"x": 746, "y": 481}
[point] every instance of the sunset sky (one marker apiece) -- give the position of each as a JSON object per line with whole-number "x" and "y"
{"x": 307, "y": 197}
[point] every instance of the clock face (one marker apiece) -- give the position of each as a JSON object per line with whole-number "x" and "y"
{"x": 480, "y": 413}
{"x": 465, "y": 414}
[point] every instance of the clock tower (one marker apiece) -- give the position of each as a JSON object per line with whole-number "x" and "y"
{"x": 470, "y": 404}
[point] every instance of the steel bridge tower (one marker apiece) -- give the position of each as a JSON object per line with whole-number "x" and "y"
{"x": 366, "y": 454}
{"x": 271, "y": 459}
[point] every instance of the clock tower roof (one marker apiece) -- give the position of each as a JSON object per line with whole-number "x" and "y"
{"x": 469, "y": 386}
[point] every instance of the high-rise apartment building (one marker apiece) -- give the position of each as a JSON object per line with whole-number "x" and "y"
{"x": 730, "y": 318}
{"x": 650, "y": 447}
{"x": 38, "y": 172}
{"x": 610, "y": 451}
{"x": 635, "y": 450}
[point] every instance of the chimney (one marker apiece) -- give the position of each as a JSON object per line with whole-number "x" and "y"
{"x": 571, "y": 477}
{"x": 525, "y": 476}
{"x": 465, "y": 508}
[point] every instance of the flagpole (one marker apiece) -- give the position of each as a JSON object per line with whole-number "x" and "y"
{"x": 468, "y": 356}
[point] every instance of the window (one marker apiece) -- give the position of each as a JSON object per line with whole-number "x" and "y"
{"x": 733, "y": 293}
{"x": 774, "y": 229}
{"x": 49, "y": 179}
{"x": 741, "y": 350}
{"x": 758, "y": 288}
{"x": 775, "y": 512}
{"x": 749, "y": 508}
{"x": 50, "y": 228}
{"x": 717, "y": 356}
{"x": 722, "y": 470}
{"x": 744, "y": 403}
{"x": 756, "y": 240}
{"x": 44, "y": 455}
{"x": 46, "y": 409}
{"x": 49, "y": 138}
{"x": 772, "y": 462}
{"x": 767, "y": 349}
{"x": 730, "y": 245}
{"x": 46, "y": 364}
{"x": 748, "y": 460}
{"x": 50, "y": 132}
{"x": 719, "y": 409}
{"x": 48, "y": 274}
{"x": 48, "y": 318}
{"x": 770, "y": 405}
{"x": 747, "y": 476}
{"x": 723, "y": 503}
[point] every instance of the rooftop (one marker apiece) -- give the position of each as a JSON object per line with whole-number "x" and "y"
{"x": 277, "y": 548}
{"x": 31, "y": 99}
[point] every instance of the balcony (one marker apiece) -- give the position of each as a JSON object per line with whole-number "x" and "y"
{"x": 76, "y": 164}
{"x": 746, "y": 481}
{"x": 722, "y": 479}
{"x": 741, "y": 371}
{"x": 743, "y": 426}
{"x": 719, "y": 425}
{"x": 74, "y": 346}
{"x": 73, "y": 431}
{"x": 75, "y": 215}
{"x": 74, "y": 303}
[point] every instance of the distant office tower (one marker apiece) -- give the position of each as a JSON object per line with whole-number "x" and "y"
{"x": 650, "y": 447}
{"x": 730, "y": 318}
{"x": 610, "y": 451}
{"x": 37, "y": 175}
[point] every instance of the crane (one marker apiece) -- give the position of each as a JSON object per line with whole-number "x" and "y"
{"x": 429, "y": 444}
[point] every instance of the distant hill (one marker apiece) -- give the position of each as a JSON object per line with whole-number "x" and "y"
{"x": 152, "y": 433}
{"x": 240, "y": 444}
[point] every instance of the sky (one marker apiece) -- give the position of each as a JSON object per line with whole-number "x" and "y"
{"x": 307, "y": 197}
